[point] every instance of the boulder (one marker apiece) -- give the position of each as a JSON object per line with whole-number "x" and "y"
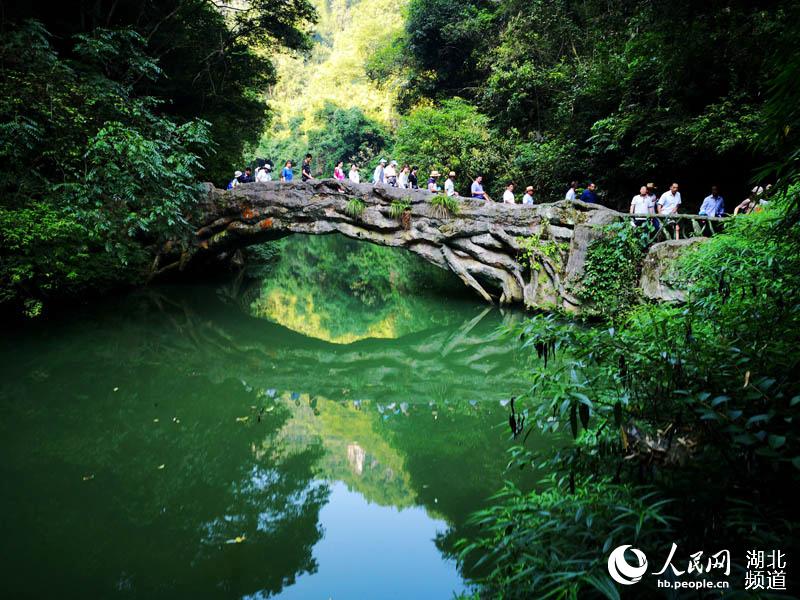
{"x": 658, "y": 270}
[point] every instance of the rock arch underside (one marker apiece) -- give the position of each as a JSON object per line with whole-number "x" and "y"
{"x": 511, "y": 254}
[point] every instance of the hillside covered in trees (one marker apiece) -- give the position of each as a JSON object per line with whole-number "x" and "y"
{"x": 541, "y": 92}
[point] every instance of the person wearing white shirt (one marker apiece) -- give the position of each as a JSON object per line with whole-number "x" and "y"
{"x": 450, "y": 185}
{"x": 527, "y": 199}
{"x": 508, "y": 195}
{"x": 402, "y": 177}
{"x": 390, "y": 174}
{"x": 354, "y": 175}
{"x": 670, "y": 201}
{"x": 570, "y": 195}
{"x": 377, "y": 176}
{"x": 641, "y": 204}
{"x": 264, "y": 174}
{"x": 668, "y": 205}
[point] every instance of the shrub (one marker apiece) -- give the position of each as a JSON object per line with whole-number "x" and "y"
{"x": 398, "y": 207}
{"x": 355, "y": 207}
{"x": 609, "y": 284}
{"x": 443, "y": 206}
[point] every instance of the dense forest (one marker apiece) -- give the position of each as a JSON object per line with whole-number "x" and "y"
{"x": 111, "y": 115}
{"x": 543, "y": 92}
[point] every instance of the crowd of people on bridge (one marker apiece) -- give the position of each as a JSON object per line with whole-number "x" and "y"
{"x": 645, "y": 208}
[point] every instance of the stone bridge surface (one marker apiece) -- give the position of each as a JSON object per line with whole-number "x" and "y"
{"x": 511, "y": 254}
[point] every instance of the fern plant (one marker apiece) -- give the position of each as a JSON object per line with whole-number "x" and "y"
{"x": 355, "y": 207}
{"x": 444, "y": 206}
{"x": 398, "y": 207}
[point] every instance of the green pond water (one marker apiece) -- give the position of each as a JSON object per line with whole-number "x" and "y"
{"x": 321, "y": 427}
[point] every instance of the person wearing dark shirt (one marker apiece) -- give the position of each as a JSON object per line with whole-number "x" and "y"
{"x": 589, "y": 195}
{"x": 413, "y": 182}
{"x": 306, "y": 171}
{"x": 247, "y": 177}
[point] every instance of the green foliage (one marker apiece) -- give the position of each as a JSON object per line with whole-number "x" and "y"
{"x": 385, "y": 66}
{"x": 103, "y": 119}
{"x": 355, "y": 207}
{"x": 609, "y": 283}
{"x": 553, "y": 543}
{"x": 780, "y": 135}
{"x": 452, "y": 135}
{"x": 443, "y": 206}
{"x": 674, "y": 397}
{"x": 444, "y": 42}
{"x": 214, "y": 56}
{"x": 590, "y": 91}
{"x": 535, "y": 249}
{"x": 94, "y": 173}
{"x": 398, "y": 207}
{"x": 331, "y": 82}
{"x": 347, "y": 135}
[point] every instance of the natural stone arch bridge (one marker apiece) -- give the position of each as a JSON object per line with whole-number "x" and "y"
{"x": 510, "y": 254}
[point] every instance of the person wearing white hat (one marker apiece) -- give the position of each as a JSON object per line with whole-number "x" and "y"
{"x": 235, "y": 181}
{"x": 527, "y": 199}
{"x": 450, "y": 184}
{"x": 264, "y": 173}
{"x": 378, "y": 175}
{"x": 390, "y": 174}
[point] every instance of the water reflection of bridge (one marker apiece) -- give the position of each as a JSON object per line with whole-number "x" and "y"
{"x": 463, "y": 362}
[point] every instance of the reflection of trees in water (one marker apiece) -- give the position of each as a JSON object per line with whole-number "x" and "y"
{"x": 342, "y": 290}
{"x": 135, "y": 526}
{"x": 249, "y": 479}
{"x": 452, "y": 461}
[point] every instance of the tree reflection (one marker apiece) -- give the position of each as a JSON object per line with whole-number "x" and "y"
{"x": 341, "y": 290}
{"x": 153, "y": 489}
{"x": 247, "y": 418}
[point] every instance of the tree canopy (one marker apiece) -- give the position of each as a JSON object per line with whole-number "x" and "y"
{"x": 111, "y": 114}
{"x": 618, "y": 93}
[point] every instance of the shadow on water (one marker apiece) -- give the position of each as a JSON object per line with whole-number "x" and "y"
{"x": 168, "y": 444}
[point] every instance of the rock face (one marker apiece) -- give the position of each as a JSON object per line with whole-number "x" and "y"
{"x": 657, "y": 270}
{"x": 508, "y": 254}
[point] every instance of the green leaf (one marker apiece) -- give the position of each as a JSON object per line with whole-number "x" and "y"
{"x": 757, "y": 419}
{"x": 776, "y": 441}
{"x": 573, "y": 419}
{"x": 584, "y": 412}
